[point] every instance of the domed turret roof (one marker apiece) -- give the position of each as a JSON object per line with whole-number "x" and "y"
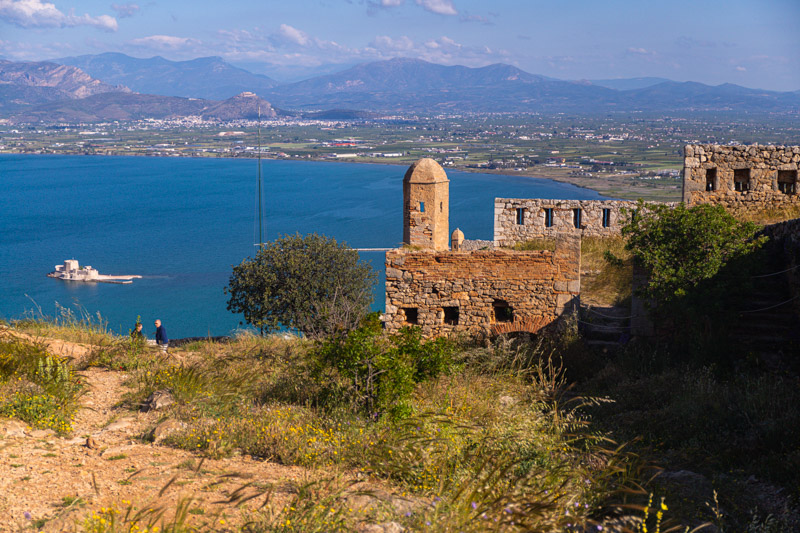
{"x": 425, "y": 170}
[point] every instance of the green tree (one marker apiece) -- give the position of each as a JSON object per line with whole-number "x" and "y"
{"x": 309, "y": 283}
{"x": 681, "y": 247}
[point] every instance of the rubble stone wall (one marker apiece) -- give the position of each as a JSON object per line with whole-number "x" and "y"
{"x": 481, "y": 292}
{"x": 767, "y": 176}
{"x": 508, "y": 231}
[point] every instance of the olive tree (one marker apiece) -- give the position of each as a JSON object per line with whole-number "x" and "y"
{"x": 309, "y": 283}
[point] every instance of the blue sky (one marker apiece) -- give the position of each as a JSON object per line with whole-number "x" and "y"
{"x": 755, "y": 43}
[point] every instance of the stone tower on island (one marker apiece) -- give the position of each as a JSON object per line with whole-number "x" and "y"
{"x": 426, "y": 206}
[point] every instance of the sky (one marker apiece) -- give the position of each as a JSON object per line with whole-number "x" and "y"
{"x": 754, "y": 43}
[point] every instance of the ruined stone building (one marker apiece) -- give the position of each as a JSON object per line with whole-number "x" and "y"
{"x": 486, "y": 288}
{"x": 741, "y": 177}
{"x": 481, "y": 292}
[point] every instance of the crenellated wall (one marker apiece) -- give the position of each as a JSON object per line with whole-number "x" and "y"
{"x": 481, "y": 292}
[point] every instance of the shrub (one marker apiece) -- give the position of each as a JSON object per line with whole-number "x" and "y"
{"x": 312, "y": 284}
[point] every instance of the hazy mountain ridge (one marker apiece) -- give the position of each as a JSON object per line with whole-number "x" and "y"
{"x": 53, "y": 80}
{"x": 211, "y": 78}
{"x": 394, "y": 86}
{"x": 132, "y": 106}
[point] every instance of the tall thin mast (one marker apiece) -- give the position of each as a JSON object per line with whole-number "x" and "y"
{"x": 260, "y": 208}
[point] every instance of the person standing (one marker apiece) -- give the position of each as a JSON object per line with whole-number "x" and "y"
{"x": 161, "y": 336}
{"x": 137, "y": 334}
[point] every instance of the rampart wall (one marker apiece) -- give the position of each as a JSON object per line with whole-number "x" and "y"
{"x": 481, "y": 292}
{"x": 519, "y": 220}
{"x": 741, "y": 177}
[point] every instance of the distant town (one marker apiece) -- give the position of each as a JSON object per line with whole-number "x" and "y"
{"x": 623, "y": 156}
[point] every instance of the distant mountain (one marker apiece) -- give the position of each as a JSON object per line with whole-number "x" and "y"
{"x": 242, "y": 106}
{"x": 121, "y": 106}
{"x": 210, "y": 78}
{"x": 627, "y": 84}
{"x": 413, "y": 85}
{"x": 27, "y": 83}
{"x": 693, "y": 96}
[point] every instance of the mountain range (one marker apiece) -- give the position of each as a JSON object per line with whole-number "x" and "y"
{"x": 99, "y": 87}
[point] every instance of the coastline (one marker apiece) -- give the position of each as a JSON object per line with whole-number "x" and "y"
{"x": 322, "y": 160}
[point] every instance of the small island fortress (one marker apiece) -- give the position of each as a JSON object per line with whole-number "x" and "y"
{"x": 72, "y": 271}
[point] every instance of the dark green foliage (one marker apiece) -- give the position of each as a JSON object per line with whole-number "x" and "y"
{"x": 681, "y": 247}
{"x": 309, "y": 283}
{"x": 382, "y": 370}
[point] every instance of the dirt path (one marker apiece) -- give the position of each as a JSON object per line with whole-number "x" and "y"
{"x": 50, "y": 483}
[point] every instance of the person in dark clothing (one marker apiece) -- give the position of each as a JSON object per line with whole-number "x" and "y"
{"x": 161, "y": 336}
{"x": 137, "y": 333}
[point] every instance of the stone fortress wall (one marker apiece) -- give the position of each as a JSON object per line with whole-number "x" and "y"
{"x": 485, "y": 292}
{"x": 518, "y": 220}
{"x": 741, "y": 177}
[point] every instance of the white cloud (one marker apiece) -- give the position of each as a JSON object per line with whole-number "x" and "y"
{"x": 441, "y": 7}
{"x": 383, "y": 42}
{"x": 38, "y": 14}
{"x": 125, "y": 10}
{"x": 165, "y": 42}
{"x": 392, "y": 3}
{"x": 741, "y": 69}
{"x": 294, "y": 35}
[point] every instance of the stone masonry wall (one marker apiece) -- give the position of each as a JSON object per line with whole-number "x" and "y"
{"x": 468, "y": 291}
{"x": 508, "y": 232}
{"x": 710, "y": 176}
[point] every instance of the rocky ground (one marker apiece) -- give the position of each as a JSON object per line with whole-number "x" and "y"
{"x": 52, "y": 483}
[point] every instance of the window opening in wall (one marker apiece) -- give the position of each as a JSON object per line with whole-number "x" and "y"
{"x": 412, "y": 315}
{"x": 711, "y": 179}
{"x": 548, "y": 217}
{"x": 606, "y": 218}
{"x": 441, "y": 207}
{"x": 502, "y": 311}
{"x": 741, "y": 179}
{"x": 422, "y": 207}
{"x": 451, "y": 316}
{"x": 576, "y": 217}
{"x": 520, "y": 216}
{"x": 787, "y": 181}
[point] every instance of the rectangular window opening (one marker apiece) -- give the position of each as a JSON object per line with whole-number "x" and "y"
{"x": 787, "y": 181}
{"x": 606, "y": 218}
{"x": 520, "y": 216}
{"x": 576, "y": 218}
{"x": 711, "y": 179}
{"x": 451, "y": 316}
{"x": 741, "y": 179}
{"x": 412, "y": 315}
{"x": 422, "y": 207}
{"x": 502, "y": 311}
{"x": 548, "y": 217}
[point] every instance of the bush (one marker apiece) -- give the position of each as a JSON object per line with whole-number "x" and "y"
{"x": 382, "y": 370}
{"x": 312, "y": 284}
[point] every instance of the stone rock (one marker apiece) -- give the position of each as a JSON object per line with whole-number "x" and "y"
{"x": 119, "y": 425}
{"x": 166, "y": 428}
{"x": 507, "y": 401}
{"x": 42, "y": 433}
{"x": 158, "y": 400}
{"x": 12, "y": 428}
{"x": 386, "y": 527}
{"x": 92, "y": 444}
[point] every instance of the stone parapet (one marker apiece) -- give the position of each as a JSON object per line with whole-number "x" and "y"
{"x": 481, "y": 292}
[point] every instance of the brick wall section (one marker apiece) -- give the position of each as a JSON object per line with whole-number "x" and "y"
{"x": 539, "y": 286}
{"x": 764, "y": 163}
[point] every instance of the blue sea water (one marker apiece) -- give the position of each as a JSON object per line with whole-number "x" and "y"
{"x": 182, "y": 223}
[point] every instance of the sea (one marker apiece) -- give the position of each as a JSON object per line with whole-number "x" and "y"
{"x": 182, "y": 223}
